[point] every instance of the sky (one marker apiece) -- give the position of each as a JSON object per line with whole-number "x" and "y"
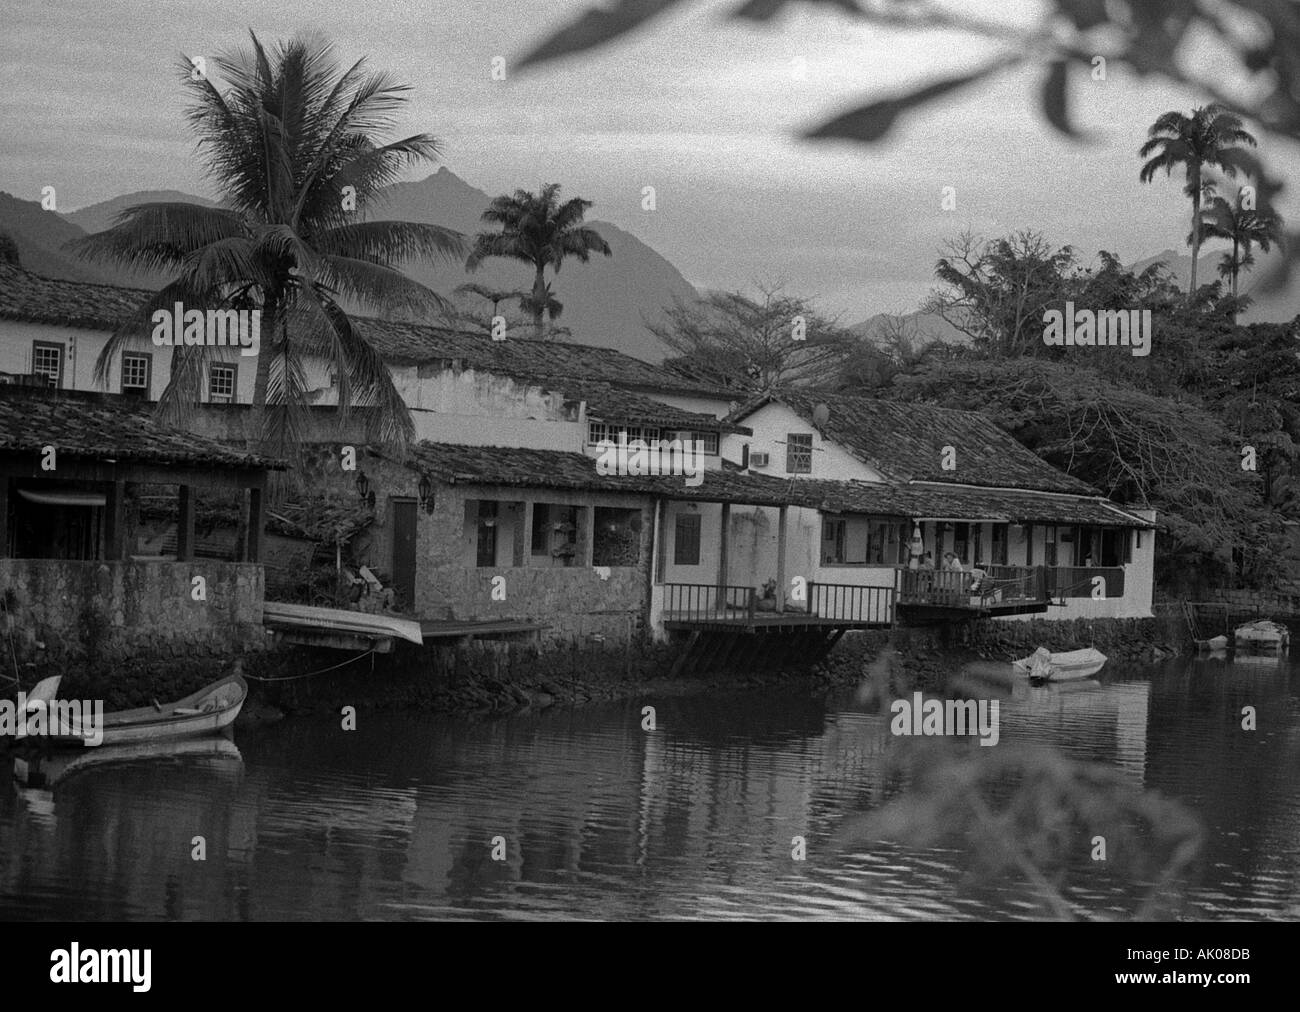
{"x": 705, "y": 109}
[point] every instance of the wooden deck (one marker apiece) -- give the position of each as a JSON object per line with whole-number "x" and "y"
{"x": 765, "y": 622}
{"x": 699, "y": 606}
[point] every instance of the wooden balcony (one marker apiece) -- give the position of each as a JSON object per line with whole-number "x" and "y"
{"x": 1003, "y": 590}
{"x": 830, "y": 606}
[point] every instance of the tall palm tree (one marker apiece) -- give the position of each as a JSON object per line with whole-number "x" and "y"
{"x": 1244, "y": 227}
{"x": 496, "y": 296}
{"x": 539, "y": 230}
{"x": 1210, "y": 136}
{"x": 291, "y": 143}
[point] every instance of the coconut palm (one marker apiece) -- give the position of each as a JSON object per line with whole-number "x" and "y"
{"x": 539, "y": 230}
{"x": 496, "y": 296}
{"x": 1210, "y": 136}
{"x": 1244, "y": 227}
{"x": 292, "y": 144}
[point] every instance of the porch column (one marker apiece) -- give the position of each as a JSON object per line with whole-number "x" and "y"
{"x": 661, "y": 539}
{"x": 722, "y": 545}
{"x": 4, "y": 516}
{"x": 253, "y": 545}
{"x": 115, "y": 522}
{"x": 524, "y": 542}
{"x": 586, "y": 523}
{"x": 185, "y": 524}
{"x": 780, "y": 558}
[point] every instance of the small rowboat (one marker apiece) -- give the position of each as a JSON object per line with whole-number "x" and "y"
{"x": 204, "y": 712}
{"x": 1044, "y": 666}
{"x": 46, "y": 771}
{"x": 1263, "y": 635}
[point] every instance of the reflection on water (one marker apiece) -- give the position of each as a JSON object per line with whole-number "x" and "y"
{"x": 603, "y": 820}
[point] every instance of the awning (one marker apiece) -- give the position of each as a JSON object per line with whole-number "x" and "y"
{"x": 63, "y": 498}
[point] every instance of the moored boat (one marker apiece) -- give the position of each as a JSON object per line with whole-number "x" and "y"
{"x": 1263, "y": 635}
{"x": 1044, "y": 666}
{"x": 45, "y": 771}
{"x": 205, "y": 712}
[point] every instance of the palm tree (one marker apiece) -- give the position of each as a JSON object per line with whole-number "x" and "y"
{"x": 496, "y": 296}
{"x": 1244, "y": 227}
{"x": 291, "y": 144}
{"x": 1209, "y": 137}
{"x": 537, "y": 229}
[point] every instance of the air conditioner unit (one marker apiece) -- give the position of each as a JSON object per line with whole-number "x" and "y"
{"x": 758, "y": 459}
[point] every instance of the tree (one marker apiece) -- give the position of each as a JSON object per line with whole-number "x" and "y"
{"x": 1210, "y": 136}
{"x": 540, "y": 231}
{"x": 291, "y": 143}
{"x": 732, "y": 340}
{"x": 1244, "y": 227}
{"x": 469, "y": 320}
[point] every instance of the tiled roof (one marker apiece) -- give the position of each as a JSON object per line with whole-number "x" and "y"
{"x": 30, "y": 297}
{"x": 607, "y": 403}
{"x": 105, "y": 427}
{"x": 517, "y": 468}
{"x": 906, "y": 442}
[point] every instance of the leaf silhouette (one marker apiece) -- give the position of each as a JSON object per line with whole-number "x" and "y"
{"x": 595, "y": 27}
{"x": 1054, "y": 98}
{"x": 765, "y": 10}
{"x": 874, "y": 120}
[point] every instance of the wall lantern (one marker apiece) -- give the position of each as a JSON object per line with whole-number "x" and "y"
{"x": 363, "y": 486}
{"x": 426, "y": 493}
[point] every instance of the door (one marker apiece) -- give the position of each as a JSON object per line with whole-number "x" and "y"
{"x": 404, "y": 552}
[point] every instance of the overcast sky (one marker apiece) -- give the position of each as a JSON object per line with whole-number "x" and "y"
{"x": 705, "y": 110}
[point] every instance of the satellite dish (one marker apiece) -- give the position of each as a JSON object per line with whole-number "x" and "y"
{"x": 821, "y": 414}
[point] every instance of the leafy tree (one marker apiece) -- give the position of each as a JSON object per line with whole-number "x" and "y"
{"x": 733, "y": 340}
{"x": 542, "y": 232}
{"x": 1210, "y": 136}
{"x": 1175, "y": 457}
{"x": 8, "y": 250}
{"x": 1244, "y": 227}
{"x": 291, "y": 142}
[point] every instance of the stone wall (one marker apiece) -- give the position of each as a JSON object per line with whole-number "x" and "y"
{"x": 59, "y": 614}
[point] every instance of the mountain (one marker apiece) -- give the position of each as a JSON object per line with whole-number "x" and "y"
{"x": 604, "y": 299}
{"x": 39, "y": 236}
{"x": 919, "y": 327}
{"x": 98, "y": 217}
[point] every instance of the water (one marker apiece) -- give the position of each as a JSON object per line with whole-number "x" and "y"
{"x": 395, "y": 821}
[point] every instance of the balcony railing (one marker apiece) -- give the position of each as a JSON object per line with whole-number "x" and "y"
{"x": 698, "y": 602}
{"x": 952, "y": 589}
{"x": 850, "y": 602}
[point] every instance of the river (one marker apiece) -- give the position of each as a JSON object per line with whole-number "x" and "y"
{"x": 600, "y": 819}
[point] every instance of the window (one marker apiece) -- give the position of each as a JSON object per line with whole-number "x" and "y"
{"x": 998, "y": 556}
{"x": 487, "y": 534}
{"x": 47, "y": 361}
{"x": 686, "y": 540}
{"x": 833, "y": 537}
{"x": 904, "y": 544}
{"x": 221, "y": 383}
{"x": 540, "y": 540}
{"x": 710, "y": 441}
{"x": 136, "y": 370}
{"x": 597, "y": 432}
{"x": 798, "y": 453}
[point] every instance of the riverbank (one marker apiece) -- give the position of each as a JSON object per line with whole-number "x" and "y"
{"x": 496, "y": 677}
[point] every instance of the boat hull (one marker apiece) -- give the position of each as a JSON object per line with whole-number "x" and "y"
{"x": 1263, "y": 635}
{"x": 206, "y": 712}
{"x": 1068, "y": 666}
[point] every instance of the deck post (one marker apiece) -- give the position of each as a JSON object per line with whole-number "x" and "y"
{"x": 585, "y": 534}
{"x": 660, "y": 539}
{"x": 4, "y": 516}
{"x": 524, "y": 541}
{"x": 722, "y": 547}
{"x": 253, "y": 543}
{"x": 185, "y": 524}
{"x": 753, "y": 602}
{"x": 780, "y": 558}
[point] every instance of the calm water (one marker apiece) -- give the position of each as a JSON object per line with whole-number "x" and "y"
{"x": 602, "y": 820}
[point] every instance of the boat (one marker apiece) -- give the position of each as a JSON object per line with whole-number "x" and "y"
{"x": 209, "y": 710}
{"x": 1044, "y": 666}
{"x": 1263, "y": 635}
{"x": 1214, "y": 644}
{"x": 291, "y": 617}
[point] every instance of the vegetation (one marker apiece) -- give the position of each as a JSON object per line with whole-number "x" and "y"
{"x": 292, "y": 143}
{"x": 542, "y": 232}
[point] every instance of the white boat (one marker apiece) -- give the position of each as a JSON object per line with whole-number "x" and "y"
{"x": 278, "y": 615}
{"x": 46, "y": 770}
{"x": 1044, "y": 666}
{"x": 1263, "y": 635}
{"x": 204, "y": 712}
